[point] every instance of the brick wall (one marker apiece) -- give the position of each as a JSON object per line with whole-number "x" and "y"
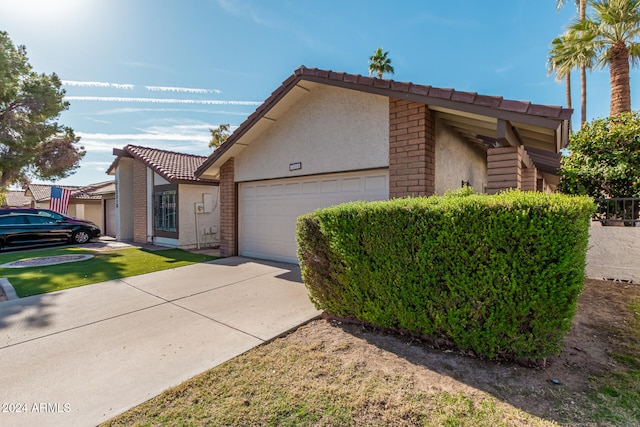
{"x": 504, "y": 168}
{"x": 140, "y": 202}
{"x": 530, "y": 179}
{"x": 228, "y": 210}
{"x": 411, "y": 149}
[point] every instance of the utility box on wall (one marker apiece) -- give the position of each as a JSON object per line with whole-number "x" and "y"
{"x": 208, "y": 202}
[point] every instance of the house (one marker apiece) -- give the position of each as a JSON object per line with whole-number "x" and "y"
{"x": 324, "y": 138}
{"x": 16, "y": 199}
{"x": 93, "y": 202}
{"x": 159, "y": 199}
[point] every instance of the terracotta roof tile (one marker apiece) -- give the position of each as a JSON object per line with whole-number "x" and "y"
{"x": 544, "y": 110}
{"x": 419, "y": 89}
{"x": 467, "y": 97}
{"x": 17, "y": 199}
{"x": 517, "y": 106}
{"x": 436, "y": 92}
{"x": 170, "y": 165}
{"x": 488, "y": 101}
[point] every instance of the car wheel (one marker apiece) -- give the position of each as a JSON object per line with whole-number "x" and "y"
{"x": 80, "y": 237}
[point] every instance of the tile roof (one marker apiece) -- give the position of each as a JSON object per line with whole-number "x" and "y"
{"x": 17, "y": 199}
{"x": 492, "y": 106}
{"x": 170, "y": 165}
{"x": 42, "y": 192}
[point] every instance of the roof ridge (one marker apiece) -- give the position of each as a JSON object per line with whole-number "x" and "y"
{"x": 163, "y": 151}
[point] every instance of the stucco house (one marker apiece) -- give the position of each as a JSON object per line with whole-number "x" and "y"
{"x": 324, "y": 138}
{"x": 159, "y": 199}
{"x": 93, "y": 202}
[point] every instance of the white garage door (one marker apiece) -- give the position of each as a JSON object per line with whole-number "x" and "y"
{"x": 268, "y": 209}
{"x": 110, "y": 218}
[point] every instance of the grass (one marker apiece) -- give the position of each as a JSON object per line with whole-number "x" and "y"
{"x": 307, "y": 379}
{"x": 617, "y": 395}
{"x": 291, "y": 384}
{"x": 103, "y": 266}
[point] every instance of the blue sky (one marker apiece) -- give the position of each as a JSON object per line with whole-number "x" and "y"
{"x": 161, "y": 73}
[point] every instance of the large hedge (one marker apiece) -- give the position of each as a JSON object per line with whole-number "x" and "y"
{"x": 498, "y": 275}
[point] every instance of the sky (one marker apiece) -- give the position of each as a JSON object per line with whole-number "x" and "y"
{"x": 161, "y": 73}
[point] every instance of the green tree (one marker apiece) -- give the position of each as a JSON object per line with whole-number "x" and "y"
{"x": 612, "y": 34}
{"x": 604, "y": 158}
{"x": 379, "y": 63}
{"x": 560, "y": 64}
{"x": 32, "y": 142}
{"x": 581, "y": 6}
{"x": 219, "y": 135}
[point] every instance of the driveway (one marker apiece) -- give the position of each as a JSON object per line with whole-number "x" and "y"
{"x": 81, "y": 356}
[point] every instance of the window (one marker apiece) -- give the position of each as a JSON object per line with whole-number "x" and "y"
{"x": 165, "y": 211}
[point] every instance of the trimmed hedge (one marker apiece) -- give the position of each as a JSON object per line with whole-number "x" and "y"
{"x": 498, "y": 275}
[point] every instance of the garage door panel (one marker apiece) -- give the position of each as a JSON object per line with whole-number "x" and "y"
{"x": 268, "y": 210}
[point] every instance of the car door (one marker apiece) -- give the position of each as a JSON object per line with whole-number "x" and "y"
{"x": 13, "y": 229}
{"x": 46, "y": 229}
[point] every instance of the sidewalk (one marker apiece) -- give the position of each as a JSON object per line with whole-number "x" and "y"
{"x": 81, "y": 356}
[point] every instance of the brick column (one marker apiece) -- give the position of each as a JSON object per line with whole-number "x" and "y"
{"x": 530, "y": 179}
{"x": 228, "y": 210}
{"x": 411, "y": 149}
{"x": 504, "y": 168}
{"x": 140, "y": 202}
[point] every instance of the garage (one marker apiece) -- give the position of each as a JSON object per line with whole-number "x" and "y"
{"x": 267, "y": 210}
{"x": 109, "y": 217}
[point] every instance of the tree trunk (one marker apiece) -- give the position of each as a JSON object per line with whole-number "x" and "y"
{"x": 582, "y": 11}
{"x": 583, "y": 95}
{"x": 568, "y": 90}
{"x": 619, "y": 78}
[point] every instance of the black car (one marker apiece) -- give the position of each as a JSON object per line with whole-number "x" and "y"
{"x": 17, "y": 228}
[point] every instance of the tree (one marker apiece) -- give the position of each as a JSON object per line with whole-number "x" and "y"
{"x": 612, "y": 34}
{"x": 380, "y": 64}
{"x": 560, "y": 64}
{"x": 32, "y": 142}
{"x": 604, "y": 158}
{"x": 219, "y": 135}
{"x": 581, "y": 5}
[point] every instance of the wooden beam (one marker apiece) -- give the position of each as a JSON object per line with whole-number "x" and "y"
{"x": 506, "y": 135}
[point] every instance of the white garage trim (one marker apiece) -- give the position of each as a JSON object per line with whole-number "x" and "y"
{"x": 267, "y": 210}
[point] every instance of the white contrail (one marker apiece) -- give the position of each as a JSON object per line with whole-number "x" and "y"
{"x": 180, "y": 89}
{"x": 98, "y": 84}
{"x": 160, "y": 100}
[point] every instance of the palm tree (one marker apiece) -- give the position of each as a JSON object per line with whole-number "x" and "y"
{"x": 219, "y": 135}
{"x": 612, "y": 35}
{"x": 581, "y": 5}
{"x": 379, "y": 63}
{"x": 561, "y": 64}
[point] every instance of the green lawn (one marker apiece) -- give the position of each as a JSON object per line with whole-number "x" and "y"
{"x": 103, "y": 266}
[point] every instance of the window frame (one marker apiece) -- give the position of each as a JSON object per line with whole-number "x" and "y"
{"x": 160, "y": 191}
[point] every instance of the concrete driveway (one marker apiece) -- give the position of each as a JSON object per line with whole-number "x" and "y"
{"x": 81, "y": 356}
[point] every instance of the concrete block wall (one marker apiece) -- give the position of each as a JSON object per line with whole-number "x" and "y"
{"x": 613, "y": 253}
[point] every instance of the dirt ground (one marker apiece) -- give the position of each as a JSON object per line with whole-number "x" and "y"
{"x": 559, "y": 388}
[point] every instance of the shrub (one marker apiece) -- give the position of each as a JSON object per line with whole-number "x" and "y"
{"x": 498, "y": 275}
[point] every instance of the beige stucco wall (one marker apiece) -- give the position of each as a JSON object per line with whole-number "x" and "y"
{"x": 124, "y": 199}
{"x": 208, "y": 223}
{"x": 456, "y": 161}
{"x": 329, "y": 130}
{"x": 614, "y": 253}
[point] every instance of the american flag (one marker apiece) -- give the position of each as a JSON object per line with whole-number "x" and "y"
{"x": 59, "y": 201}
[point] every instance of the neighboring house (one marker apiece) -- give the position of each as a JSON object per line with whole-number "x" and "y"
{"x": 159, "y": 200}
{"x": 324, "y": 138}
{"x": 16, "y": 199}
{"x": 90, "y": 202}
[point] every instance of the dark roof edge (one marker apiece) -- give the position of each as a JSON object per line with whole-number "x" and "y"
{"x": 551, "y": 117}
